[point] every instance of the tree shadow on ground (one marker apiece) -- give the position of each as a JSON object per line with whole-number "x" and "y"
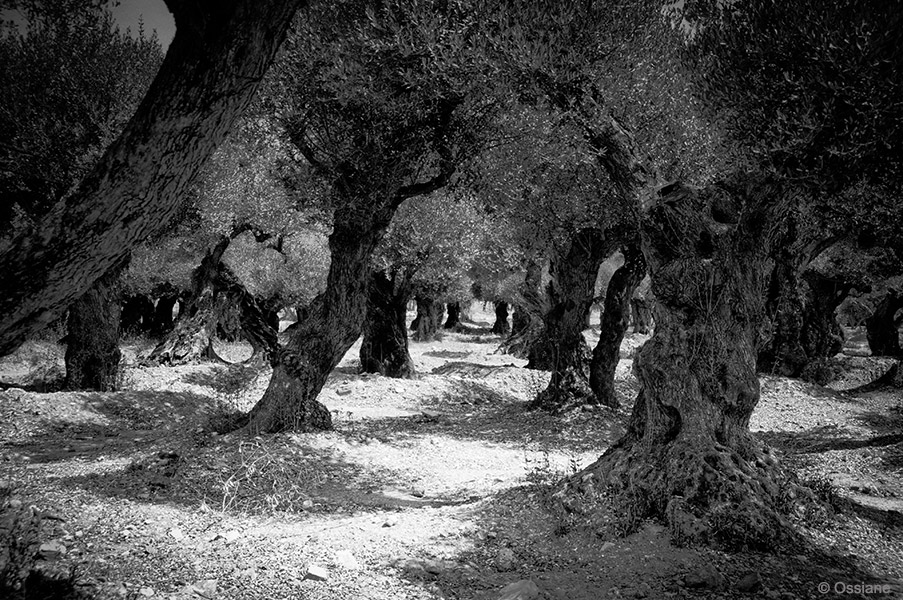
{"x": 111, "y": 424}
{"x": 471, "y": 410}
{"x": 226, "y": 379}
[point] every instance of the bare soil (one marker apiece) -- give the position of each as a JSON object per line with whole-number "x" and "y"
{"x": 435, "y": 487}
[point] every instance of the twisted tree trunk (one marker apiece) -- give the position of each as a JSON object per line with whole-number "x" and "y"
{"x": 615, "y": 318}
{"x": 526, "y": 323}
{"x": 501, "y": 325}
{"x": 454, "y": 316}
{"x": 881, "y": 328}
{"x": 92, "y": 349}
{"x": 384, "y": 349}
{"x": 163, "y": 322}
{"x": 688, "y": 457}
{"x": 641, "y": 314}
{"x": 573, "y": 270}
{"x": 428, "y": 321}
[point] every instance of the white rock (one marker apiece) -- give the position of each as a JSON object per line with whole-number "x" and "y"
{"x": 52, "y": 549}
{"x": 504, "y": 561}
{"x": 343, "y": 391}
{"x": 316, "y": 573}
{"x": 346, "y": 560}
{"x": 205, "y": 588}
{"x": 231, "y": 535}
{"x": 390, "y": 522}
{"x": 520, "y": 590}
{"x": 176, "y": 533}
{"x": 146, "y": 592}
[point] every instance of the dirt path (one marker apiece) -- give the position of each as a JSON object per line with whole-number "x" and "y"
{"x": 429, "y": 488}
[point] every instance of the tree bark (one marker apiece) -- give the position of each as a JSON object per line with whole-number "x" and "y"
{"x": 688, "y": 457}
{"x": 163, "y": 322}
{"x": 615, "y": 319}
{"x": 384, "y": 348}
{"x": 526, "y": 322}
{"x": 821, "y": 335}
{"x": 641, "y": 315}
{"x": 881, "y": 329}
{"x": 573, "y": 270}
{"x": 428, "y": 321}
{"x": 137, "y": 315}
{"x": 520, "y": 320}
{"x": 92, "y": 349}
{"x": 213, "y": 67}
{"x": 501, "y": 325}
{"x": 454, "y": 316}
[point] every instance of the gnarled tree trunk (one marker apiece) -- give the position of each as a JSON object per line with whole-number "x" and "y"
{"x": 881, "y": 328}
{"x": 526, "y": 322}
{"x": 384, "y": 348}
{"x": 688, "y": 457}
{"x": 615, "y": 318}
{"x": 163, "y": 322}
{"x": 573, "y": 270}
{"x": 92, "y": 349}
{"x": 501, "y": 325}
{"x": 428, "y": 320}
{"x": 821, "y": 335}
{"x": 454, "y": 316}
{"x": 641, "y": 315}
{"x": 137, "y": 315}
{"x": 213, "y": 67}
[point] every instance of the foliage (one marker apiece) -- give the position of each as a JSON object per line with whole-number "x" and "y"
{"x": 68, "y": 85}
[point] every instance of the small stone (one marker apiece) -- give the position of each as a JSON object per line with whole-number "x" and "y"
{"x": 146, "y": 592}
{"x": 431, "y": 415}
{"x": 205, "y": 588}
{"x": 307, "y": 504}
{"x": 231, "y": 535}
{"x": 418, "y": 492}
{"x": 15, "y": 503}
{"x": 607, "y": 546}
{"x": 52, "y": 550}
{"x": 316, "y": 573}
{"x": 705, "y": 577}
{"x": 504, "y": 560}
{"x": 520, "y": 590}
{"x": 750, "y": 583}
{"x": 177, "y": 534}
{"x": 432, "y": 567}
{"x": 643, "y": 590}
{"x": 343, "y": 391}
{"x": 347, "y": 560}
{"x": 390, "y": 522}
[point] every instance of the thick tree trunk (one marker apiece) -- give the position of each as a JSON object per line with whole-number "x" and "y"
{"x": 527, "y": 325}
{"x": 454, "y": 316}
{"x": 213, "y": 67}
{"x": 881, "y": 329}
{"x": 822, "y": 336}
{"x": 384, "y": 348}
{"x": 615, "y": 318}
{"x": 137, "y": 315}
{"x": 573, "y": 270}
{"x": 92, "y": 350}
{"x": 688, "y": 457}
{"x": 163, "y": 322}
{"x": 641, "y": 315}
{"x": 428, "y": 321}
{"x": 501, "y": 325}
{"x": 520, "y": 320}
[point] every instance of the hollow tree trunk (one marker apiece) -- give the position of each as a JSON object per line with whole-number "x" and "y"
{"x": 190, "y": 339}
{"x": 641, "y": 315}
{"x": 92, "y": 350}
{"x": 573, "y": 270}
{"x": 213, "y": 67}
{"x": 880, "y": 327}
{"x": 501, "y": 326}
{"x": 688, "y": 458}
{"x": 428, "y": 320}
{"x": 384, "y": 348}
{"x": 454, "y": 316}
{"x": 137, "y": 315}
{"x": 163, "y": 322}
{"x": 615, "y": 318}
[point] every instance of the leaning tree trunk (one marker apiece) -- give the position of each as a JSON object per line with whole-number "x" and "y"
{"x": 881, "y": 329}
{"x": 384, "y": 348}
{"x": 428, "y": 321}
{"x": 615, "y": 319}
{"x": 92, "y": 350}
{"x": 573, "y": 270}
{"x": 688, "y": 458}
{"x": 213, "y": 67}
{"x": 641, "y": 315}
{"x": 501, "y": 326}
{"x": 454, "y": 316}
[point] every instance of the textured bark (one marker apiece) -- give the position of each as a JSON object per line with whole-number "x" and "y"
{"x": 428, "y": 321}
{"x": 520, "y": 320}
{"x": 527, "y": 325}
{"x": 688, "y": 457}
{"x": 615, "y": 319}
{"x": 501, "y": 325}
{"x": 641, "y": 315}
{"x": 213, "y": 67}
{"x": 881, "y": 329}
{"x": 92, "y": 349}
{"x": 384, "y": 348}
{"x": 822, "y": 336}
{"x": 454, "y": 316}
{"x": 573, "y": 271}
{"x": 137, "y": 315}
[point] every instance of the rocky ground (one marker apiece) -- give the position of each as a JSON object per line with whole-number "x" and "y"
{"x": 428, "y": 488}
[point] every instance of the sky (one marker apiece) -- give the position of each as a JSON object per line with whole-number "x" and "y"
{"x": 154, "y": 14}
